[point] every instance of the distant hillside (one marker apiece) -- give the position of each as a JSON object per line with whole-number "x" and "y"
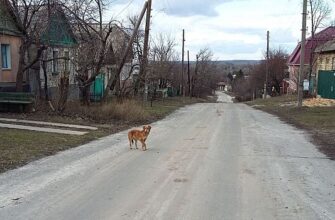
{"x": 238, "y": 62}
{"x": 232, "y": 62}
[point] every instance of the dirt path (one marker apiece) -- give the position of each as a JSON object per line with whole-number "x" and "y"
{"x": 205, "y": 161}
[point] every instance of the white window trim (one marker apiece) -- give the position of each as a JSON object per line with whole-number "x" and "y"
{"x": 68, "y": 62}
{"x": 9, "y": 57}
{"x": 52, "y": 62}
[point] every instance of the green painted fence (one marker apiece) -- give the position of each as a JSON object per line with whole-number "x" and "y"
{"x": 326, "y": 84}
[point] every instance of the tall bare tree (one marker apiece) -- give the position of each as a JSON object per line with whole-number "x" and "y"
{"x": 319, "y": 14}
{"x": 138, "y": 47}
{"x": 93, "y": 34}
{"x": 162, "y": 54}
{"x": 277, "y": 67}
{"x": 204, "y": 78}
{"x": 26, "y": 12}
{"x": 114, "y": 80}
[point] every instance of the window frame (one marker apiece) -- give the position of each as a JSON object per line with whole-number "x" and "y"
{"x": 333, "y": 63}
{"x": 67, "y": 61}
{"x": 8, "y": 57}
{"x": 55, "y": 62}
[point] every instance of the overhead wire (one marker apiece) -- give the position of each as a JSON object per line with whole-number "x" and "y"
{"x": 125, "y": 8}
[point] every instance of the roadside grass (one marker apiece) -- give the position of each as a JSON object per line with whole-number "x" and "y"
{"x": 19, "y": 147}
{"x": 318, "y": 121}
{"x": 127, "y": 111}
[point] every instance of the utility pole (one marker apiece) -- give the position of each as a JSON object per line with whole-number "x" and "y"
{"x": 188, "y": 73}
{"x": 145, "y": 51}
{"x": 112, "y": 82}
{"x": 302, "y": 54}
{"x": 182, "y": 65}
{"x": 194, "y": 78}
{"x": 267, "y": 63}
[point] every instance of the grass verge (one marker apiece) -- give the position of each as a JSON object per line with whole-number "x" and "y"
{"x": 19, "y": 147}
{"x": 318, "y": 121}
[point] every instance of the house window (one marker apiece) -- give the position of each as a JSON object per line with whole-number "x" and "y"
{"x": 109, "y": 73}
{"x": 67, "y": 61}
{"x": 5, "y": 56}
{"x": 55, "y": 62}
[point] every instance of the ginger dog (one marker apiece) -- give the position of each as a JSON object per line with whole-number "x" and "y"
{"x": 137, "y": 135}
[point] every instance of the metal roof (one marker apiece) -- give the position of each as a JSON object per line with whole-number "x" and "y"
{"x": 311, "y": 43}
{"x": 327, "y": 47}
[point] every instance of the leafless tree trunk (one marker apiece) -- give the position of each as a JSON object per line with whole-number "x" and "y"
{"x": 113, "y": 81}
{"x": 94, "y": 38}
{"x": 319, "y": 13}
{"x": 46, "y": 91}
{"x": 63, "y": 88}
{"x": 25, "y": 11}
{"x": 194, "y": 77}
{"x": 163, "y": 54}
{"x": 204, "y": 77}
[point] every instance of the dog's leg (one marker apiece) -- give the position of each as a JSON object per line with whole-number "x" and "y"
{"x": 136, "y": 144}
{"x": 144, "y": 146}
{"x": 130, "y": 140}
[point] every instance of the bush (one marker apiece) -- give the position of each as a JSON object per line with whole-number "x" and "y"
{"x": 128, "y": 110}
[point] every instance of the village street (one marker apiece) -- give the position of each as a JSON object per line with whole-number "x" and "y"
{"x": 205, "y": 161}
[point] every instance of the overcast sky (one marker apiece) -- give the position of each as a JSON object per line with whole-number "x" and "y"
{"x": 232, "y": 29}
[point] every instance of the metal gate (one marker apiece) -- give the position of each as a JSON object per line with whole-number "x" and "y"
{"x": 97, "y": 88}
{"x": 326, "y": 84}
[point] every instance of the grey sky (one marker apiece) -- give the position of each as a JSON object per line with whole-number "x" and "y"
{"x": 233, "y": 29}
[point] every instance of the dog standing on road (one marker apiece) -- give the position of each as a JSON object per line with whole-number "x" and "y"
{"x": 137, "y": 135}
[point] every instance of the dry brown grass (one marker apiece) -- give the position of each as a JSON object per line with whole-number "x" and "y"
{"x": 128, "y": 111}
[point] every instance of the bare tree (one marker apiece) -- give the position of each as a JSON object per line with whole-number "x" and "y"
{"x": 277, "y": 69}
{"x": 26, "y": 13}
{"x": 162, "y": 54}
{"x": 93, "y": 33}
{"x": 138, "y": 47}
{"x": 319, "y": 13}
{"x": 114, "y": 80}
{"x": 204, "y": 78}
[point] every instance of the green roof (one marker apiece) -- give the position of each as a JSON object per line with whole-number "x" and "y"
{"x": 58, "y": 31}
{"x": 8, "y": 23}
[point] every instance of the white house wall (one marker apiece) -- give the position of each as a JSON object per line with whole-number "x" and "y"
{"x": 53, "y": 79}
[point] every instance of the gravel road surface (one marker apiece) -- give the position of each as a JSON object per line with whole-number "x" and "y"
{"x": 205, "y": 161}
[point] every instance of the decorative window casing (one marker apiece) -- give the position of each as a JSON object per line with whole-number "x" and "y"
{"x": 5, "y": 56}
{"x": 55, "y": 62}
{"x": 67, "y": 61}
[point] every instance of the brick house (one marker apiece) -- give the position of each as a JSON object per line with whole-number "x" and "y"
{"x": 10, "y": 42}
{"x": 311, "y": 44}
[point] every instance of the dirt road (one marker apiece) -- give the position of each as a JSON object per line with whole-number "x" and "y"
{"x": 205, "y": 161}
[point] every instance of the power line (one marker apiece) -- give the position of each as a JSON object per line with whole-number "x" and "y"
{"x": 125, "y": 8}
